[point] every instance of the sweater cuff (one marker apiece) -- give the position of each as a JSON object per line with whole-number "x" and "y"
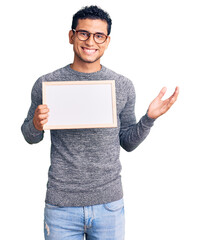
{"x": 147, "y": 121}
{"x": 34, "y": 132}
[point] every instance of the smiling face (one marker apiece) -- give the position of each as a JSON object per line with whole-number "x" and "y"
{"x": 88, "y": 53}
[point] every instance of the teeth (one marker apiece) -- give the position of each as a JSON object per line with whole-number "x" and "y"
{"x": 89, "y": 50}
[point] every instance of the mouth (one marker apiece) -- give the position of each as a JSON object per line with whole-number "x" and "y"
{"x": 89, "y": 51}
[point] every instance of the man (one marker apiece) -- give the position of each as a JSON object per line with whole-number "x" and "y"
{"x": 84, "y": 191}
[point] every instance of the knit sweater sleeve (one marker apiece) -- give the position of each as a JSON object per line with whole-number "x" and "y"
{"x": 30, "y": 133}
{"x": 133, "y": 133}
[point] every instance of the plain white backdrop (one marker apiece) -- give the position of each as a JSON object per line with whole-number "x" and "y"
{"x": 155, "y": 44}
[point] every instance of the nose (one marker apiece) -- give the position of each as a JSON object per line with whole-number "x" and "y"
{"x": 90, "y": 40}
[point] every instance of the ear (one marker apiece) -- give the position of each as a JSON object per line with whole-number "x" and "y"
{"x": 71, "y": 37}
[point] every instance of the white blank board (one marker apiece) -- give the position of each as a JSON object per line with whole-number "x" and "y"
{"x": 80, "y": 104}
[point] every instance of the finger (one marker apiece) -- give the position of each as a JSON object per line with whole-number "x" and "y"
{"x": 42, "y": 116}
{"x": 174, "y": 96}
{"x": 162, "y": 93}
{"x": 176, "y": 92}
{"x": 42, "y": 106}
{"x": 170, "y": 101}
{"x": 44, "y": 122}
{"x": 43, "y": 111}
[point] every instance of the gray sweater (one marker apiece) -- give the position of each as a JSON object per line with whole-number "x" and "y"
{"x": 85, "y": 165}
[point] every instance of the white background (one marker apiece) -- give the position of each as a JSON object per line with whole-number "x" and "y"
{"x": 155, "y": 44}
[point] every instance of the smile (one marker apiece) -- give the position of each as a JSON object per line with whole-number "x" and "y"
{"x": 89, "y": 51}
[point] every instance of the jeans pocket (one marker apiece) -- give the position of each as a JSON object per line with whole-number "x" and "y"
{"x": 47, "y": 205}
{"x": 114, "y": 206}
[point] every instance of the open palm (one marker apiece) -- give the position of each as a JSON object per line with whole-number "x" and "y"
{"x": 158, "y": 107}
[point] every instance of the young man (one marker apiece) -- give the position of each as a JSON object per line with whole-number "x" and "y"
{"x": 84, "y": 191}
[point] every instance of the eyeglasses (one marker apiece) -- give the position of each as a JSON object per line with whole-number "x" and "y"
{"x": 83, "y": 35}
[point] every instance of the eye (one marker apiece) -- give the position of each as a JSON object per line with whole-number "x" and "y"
{"x": 83, "y": 34}
{"x": 99, "y": 36}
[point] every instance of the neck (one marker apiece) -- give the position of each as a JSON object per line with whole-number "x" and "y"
{"x": 86, "y": 67}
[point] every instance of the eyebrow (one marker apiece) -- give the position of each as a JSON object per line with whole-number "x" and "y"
{"x": 89, "y": 32}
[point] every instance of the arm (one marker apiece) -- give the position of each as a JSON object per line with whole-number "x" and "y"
{"x": 32, "y": 128}
{"x": 132, "y": 133}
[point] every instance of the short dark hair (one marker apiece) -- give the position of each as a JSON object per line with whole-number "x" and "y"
{"x": 92, "y": 12}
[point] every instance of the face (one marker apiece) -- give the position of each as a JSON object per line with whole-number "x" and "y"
{"x": 89, "y": 51}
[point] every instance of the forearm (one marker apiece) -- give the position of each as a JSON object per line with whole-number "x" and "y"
{"x": 30, "y": 133}
{"x": 133, "y": 135}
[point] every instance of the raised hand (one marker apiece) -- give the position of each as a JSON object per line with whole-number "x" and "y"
{"x": 159, "y": 107}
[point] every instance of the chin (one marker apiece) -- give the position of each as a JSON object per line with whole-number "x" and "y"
{"x": 90, "y": 60}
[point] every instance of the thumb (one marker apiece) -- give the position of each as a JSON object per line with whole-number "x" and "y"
{"x": 162, "y": 93}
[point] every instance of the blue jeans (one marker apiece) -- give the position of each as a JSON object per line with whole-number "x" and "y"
{"x": 97, "y": 222}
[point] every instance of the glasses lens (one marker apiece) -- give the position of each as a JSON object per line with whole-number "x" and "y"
{"x": 83, "y": 36}
{"x": 99, "y": 38}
